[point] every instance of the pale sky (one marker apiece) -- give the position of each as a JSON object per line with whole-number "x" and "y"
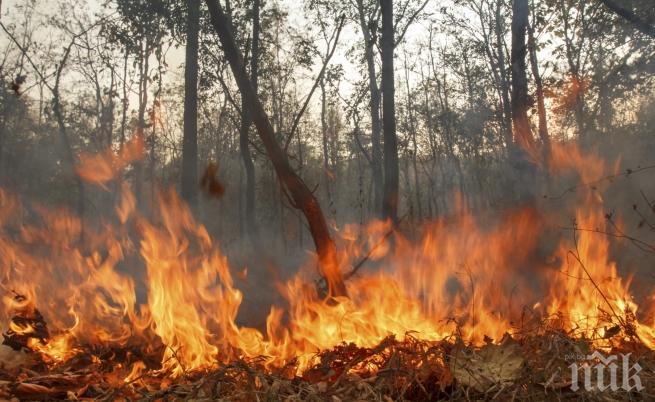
{"x": 350, "y": 35}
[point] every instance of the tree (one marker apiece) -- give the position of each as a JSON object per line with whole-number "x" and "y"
{"x": 57, "y": 104}
{"x": 368, "y": 27}
{"x": 246, "y": 122}
{"x": 299, "y": 195}
{"x": 541, "y": 104}
{"x": 143, "y": 29}
{"x": 520, "y": 98}
{"x": 391, "y": 174}
{"x": 190, "y": 139}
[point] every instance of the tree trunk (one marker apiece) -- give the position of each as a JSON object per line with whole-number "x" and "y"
{"x": 520, "y": 99}
{"x": 246, "y": 122}
{"x": 324, "y": 142}
{"x": 68, "y": 148}
{"x": 573, "y": 60}
{"x": 376, "y": 125}
{"x": 125, "y": 101}
{"x": 141, "y": 123}
{"x": 109, "y": 114}
{"x": 504, "y": 84}
{"x": 190, "y": 140}
{"x": 298, "y": 193}
{"x": 391, "y": 177}
{"x": 541, "y": 107}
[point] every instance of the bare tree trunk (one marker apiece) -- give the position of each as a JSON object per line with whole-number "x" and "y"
{"x": 300, "y": 165}
{"x": 324, "y": 138}
{"x": 520, "y": 99}
{"x": 111, "y": 108}
{"x": 504, "y": 82}
{"x": 524, "y": 146}
{"x": 573, "y": 61}
{"x": 376, "y": 125}
{"x": 144, "y": 52}
{"x": 246, "y": 122}
{"x": 541, "y": 107}
{"x": 391, "y": 175}
{"x": 299, "y": 195}
{"x": 126, "y": 101}
{"x": 190, "y": 140}
{"x": 68, "y": 148}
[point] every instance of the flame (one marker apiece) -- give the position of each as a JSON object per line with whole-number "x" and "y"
{"x": 104, "y": 166}
{"x": 458, "y": 277}
{"x": 56, "y": 350}
{"x": 138, "y": 368}
{"x": 569, "y": 93}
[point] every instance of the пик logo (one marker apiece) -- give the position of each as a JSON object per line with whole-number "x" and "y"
{"x": 606, "y": 365}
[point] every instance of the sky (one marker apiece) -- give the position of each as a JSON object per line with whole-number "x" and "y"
{"x": 175, "y": 55}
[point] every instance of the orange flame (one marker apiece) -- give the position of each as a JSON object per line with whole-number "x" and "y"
{"x": 458, "y": 277}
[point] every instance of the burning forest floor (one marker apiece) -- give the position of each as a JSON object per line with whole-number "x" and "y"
{"x": 138, "y": 306}
{"x": 533, "y": 365}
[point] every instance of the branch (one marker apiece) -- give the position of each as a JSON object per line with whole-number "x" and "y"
{"x": 409, "y": 22}
{"x": 626, "y": 173}
{"x": 296, "y": 120}
{"x": 642, "y": 26}
{"x": 361, "y": 146}
{"x": 26, "y": 55}
{"x": 228, "y": 95}
{"x": 66, "y": 50}
{"x": 368, "y": 255}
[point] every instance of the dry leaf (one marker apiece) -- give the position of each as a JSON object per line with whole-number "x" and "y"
{"x": 491, "y": 365}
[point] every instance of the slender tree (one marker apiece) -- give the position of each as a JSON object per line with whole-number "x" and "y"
{"x": 368, "y": 27}
{"x": 520, "y": 98}
{"x": 504, "y": 80}
{"x": 539, "y": 86}
{"x": 299, "y": 195}
{"x": 246, "y": 122}
{"x": 391, "y": 174}
{"x": 190, "y": 140}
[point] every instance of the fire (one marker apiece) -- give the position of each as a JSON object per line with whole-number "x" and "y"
{"x": 458, "y": 277}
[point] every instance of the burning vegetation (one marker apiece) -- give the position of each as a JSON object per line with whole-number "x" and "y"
{"x": 509, "y": 276}
{"x": 451, "y": 311}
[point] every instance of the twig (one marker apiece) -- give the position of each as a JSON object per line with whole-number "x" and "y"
{"x": 576, "y": 255}
{"x": 319, "y": 78}
{"x": 626, "y": 173}
{"x": 642, "y": 245}
{"x": 357, "y": 266}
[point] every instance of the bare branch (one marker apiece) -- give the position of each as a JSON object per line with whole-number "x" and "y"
{"x": 296, "y": 120}
{"x": 410, "y": 20}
